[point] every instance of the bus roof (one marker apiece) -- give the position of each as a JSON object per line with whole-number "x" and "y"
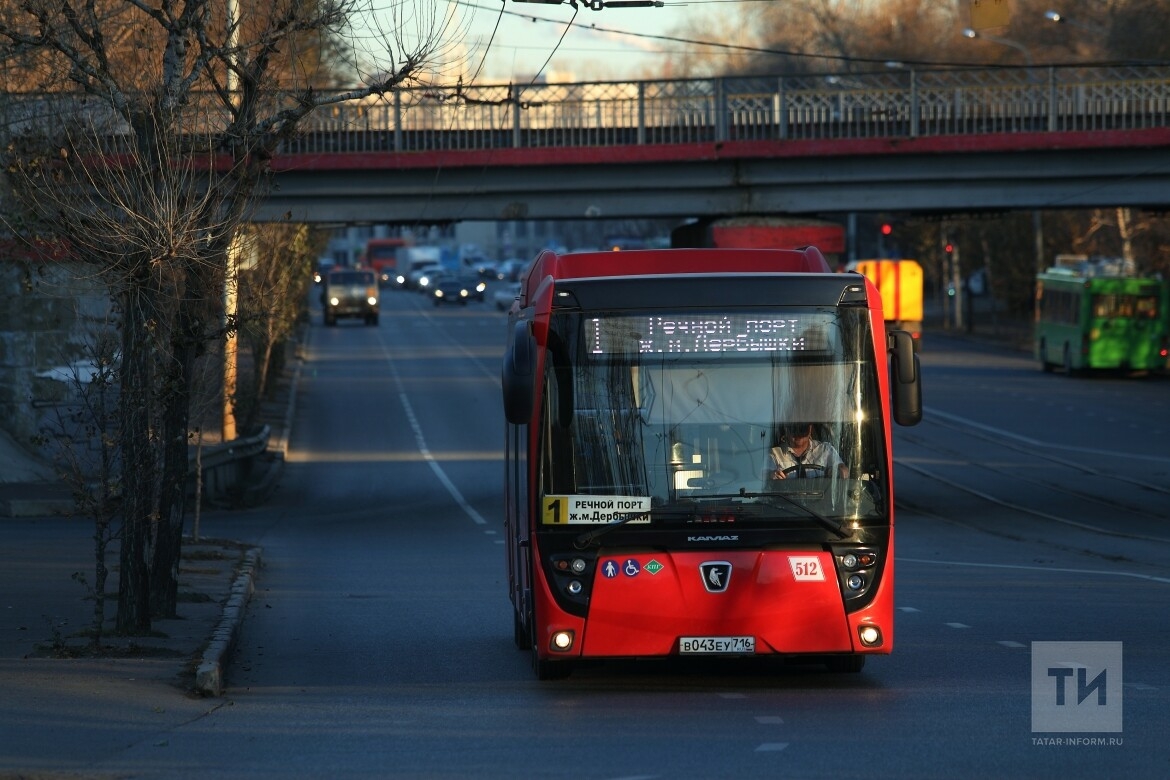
{"x": 670, "y": 262}
{"x": 1077, "y": 278}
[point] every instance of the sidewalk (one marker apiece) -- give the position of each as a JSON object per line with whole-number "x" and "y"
{"x": 49, "y": 567}
{"x": 983, "y": 322}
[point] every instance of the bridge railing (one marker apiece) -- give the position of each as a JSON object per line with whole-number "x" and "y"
{"x": 904, "y": 103}
{"x": 898, "y": 104}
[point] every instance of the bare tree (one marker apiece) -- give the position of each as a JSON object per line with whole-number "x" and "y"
{"x": 273, "y": 300}
{"x": 143, "y": 153}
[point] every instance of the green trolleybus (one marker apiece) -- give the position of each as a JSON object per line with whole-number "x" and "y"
{"x": 1086, "y": 321}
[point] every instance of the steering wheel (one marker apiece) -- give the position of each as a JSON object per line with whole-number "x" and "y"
{"x": 793, "y": 470}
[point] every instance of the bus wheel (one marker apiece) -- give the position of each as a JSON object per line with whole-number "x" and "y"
{"x": 520, "y": 634}
{"x": 1045, "y": 366}
{"x": 845, "y": 664}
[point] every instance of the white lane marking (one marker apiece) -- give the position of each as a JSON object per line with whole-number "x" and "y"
{"x": 1000, "y": 433}
{"x": 908, "y": 609}
{"x": 958, "y": 625}
{"x": 421, "y": 442}
{"x": 769, "y": 720}
{"x": 1047, "y": 569}
{"x": 771, "y": 746}
{"x": 430, "y": 459}
{"x": 1026, "y": 510}
{"x": 1010, "y": 643}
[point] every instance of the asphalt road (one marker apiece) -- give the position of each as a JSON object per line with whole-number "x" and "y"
{"x": 379, "y": 640}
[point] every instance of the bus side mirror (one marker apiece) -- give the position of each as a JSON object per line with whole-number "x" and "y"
{"x": 518, "y": 375}
{"x": 905, "y": 379}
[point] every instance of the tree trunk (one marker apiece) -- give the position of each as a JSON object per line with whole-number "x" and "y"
{"x": 176, "y": 404}
{"x": 138, "y": 457}
{"x": 1125, "y": 232}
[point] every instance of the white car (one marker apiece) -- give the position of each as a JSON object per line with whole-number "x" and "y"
{"x": 504, "y": 294}
{"x": 427, "y": 272}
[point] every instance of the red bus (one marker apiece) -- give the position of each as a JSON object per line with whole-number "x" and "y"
{"x": 652, "y": 398}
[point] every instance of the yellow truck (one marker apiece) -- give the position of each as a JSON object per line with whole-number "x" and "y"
{"x": 900, "y": 284}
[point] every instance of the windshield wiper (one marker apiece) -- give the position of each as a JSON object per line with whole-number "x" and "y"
{"x": 836, "y": 526}
{"x": 693, "y": 507}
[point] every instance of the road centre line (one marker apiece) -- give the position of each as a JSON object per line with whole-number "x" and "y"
{"x": 1000, "y": 433}
{"x": 1046, "y": 569}
{"x": 1026, "y": 510}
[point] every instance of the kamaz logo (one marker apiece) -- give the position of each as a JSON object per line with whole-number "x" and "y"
{"x": 722, "y": 538}
{"x": 716, "y": 575}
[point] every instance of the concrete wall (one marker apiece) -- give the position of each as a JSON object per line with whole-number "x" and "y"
{"x": 50, "y": 314}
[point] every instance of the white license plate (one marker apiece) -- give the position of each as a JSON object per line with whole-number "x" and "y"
{"x": 713, "y": 645}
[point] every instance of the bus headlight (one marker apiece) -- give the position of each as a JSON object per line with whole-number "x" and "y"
{"x": 857, "y": 573}
{"x": 572, "y": 579}
{"x": 561, "y": 641}
{"x": 870, "y": 636}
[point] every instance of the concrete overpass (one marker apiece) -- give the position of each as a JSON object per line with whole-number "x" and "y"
{"x": 947, "y": 141}
{"x": 924, "y": 175}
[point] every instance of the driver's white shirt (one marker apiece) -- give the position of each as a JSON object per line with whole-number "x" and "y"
{"x": 819, "y": 459}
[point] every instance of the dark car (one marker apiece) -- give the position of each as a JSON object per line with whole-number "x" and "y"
{"x": 350, "y": 292}
{"x": 476, "y": 287}
{"x": 449, "y": 288}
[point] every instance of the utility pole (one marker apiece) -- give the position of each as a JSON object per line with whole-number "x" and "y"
{"x": 232, "y": 270}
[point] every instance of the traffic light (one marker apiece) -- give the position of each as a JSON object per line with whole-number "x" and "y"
{"x": 949, "y": 248}
{"x": 887, "y": 228}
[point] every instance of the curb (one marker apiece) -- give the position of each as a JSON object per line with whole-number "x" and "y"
{"x": 209, "y": 673}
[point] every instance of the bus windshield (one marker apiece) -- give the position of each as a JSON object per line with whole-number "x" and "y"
{"x": 771, "y": 414}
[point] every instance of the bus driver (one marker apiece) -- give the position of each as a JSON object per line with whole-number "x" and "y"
{"x": 800, "y": 455}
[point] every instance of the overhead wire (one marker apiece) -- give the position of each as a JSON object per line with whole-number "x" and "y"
{"x": 708, "y": 44}
{"x": 551, "y": 54}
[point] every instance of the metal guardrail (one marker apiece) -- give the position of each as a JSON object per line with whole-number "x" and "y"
{"x": 904, "y": 103}
{"x": 227, "y": 452}
{"x": 226, "y": 466}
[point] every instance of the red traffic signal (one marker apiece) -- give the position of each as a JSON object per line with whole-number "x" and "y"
{"x": 949, "y": 248}
{"x": 887, "y": 228}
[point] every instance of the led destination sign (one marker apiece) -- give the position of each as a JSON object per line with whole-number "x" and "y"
{"x": 698, "y": 333}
